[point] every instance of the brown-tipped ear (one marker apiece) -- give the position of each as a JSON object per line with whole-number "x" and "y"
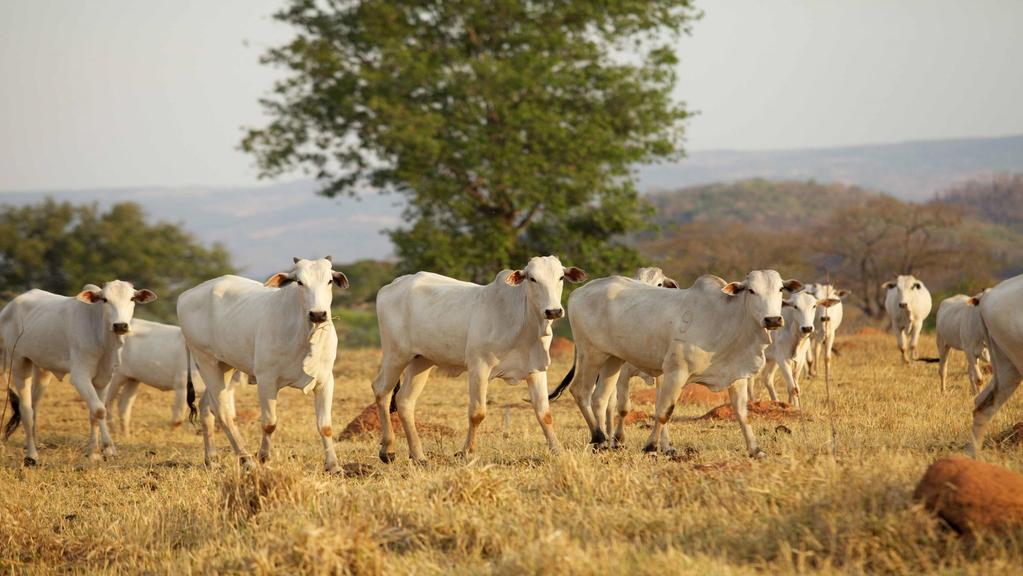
{"x": 888, "y": 285}
{"x": 328, "y": 258}
{"x": 829, "y": 302}
{"x": 669, "y": 283}
{"x": 573, "y": 274}
{"x": 279, "y": 280}
{"x": 339, "y": 279}
{"x": 90, "y": 294}
{"x": 975, "y": 300}
{"x": 733, "y": 288}
{"x": 786, "y": 303}
{"x": 843, "y": 293}
{"x": 792, "y": 285}
{"x": 144, "y": 296}
{"x": 515, "y": 278}
{"x": 295, "y": 259}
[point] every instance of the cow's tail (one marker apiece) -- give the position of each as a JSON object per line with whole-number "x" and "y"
{"x": 564, "y": 383}
{"x": 929, "y": 360}
{"x": 15, "y": 403}
{"x": 190, "y": 395}
{"x": 394, "y": 397}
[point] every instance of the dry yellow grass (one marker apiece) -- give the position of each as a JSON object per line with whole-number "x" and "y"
{"x": 514, "y": 509}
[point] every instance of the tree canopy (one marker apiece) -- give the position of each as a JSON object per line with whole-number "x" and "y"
{"x": 60, "y": 247}
{"x": 511, "y": 127}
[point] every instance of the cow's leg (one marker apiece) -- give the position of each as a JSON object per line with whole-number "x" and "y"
{"x": 266, "y": 389}
{"x": 612, "y": 405}
{"x": 82, "y": 381}
{"x": 972, "y": 370}
{"x": 751, "y": 389}
{"x": 537, "y": 383}
{"x": 623, "y": 406}
{"x": 667, "y": 395}
{"x": 914, "y": 338}
{"x": 129, "y": 391}
{"x": 606, "y": 382}
{"x": 417, "y": 373}
{"x": 178, "y": 408}
{"x": 1004, "y": 382}
{"x": 813, "y": 358}
{"x": 22, "y": 378}
{"x": 588, "y": 363}
{"x": 383, "y": 386}
{"x": 737, "y": 394}
{"x": 479, "y": 378}
{"x": 324, "y": 425}
{"x": 900, "y": 339}
{"x": 787, "y": 373}
{"x": 219, "y": 396}
{"x": 943, "y": 350}
{"x": 207, "y": 422}
{"x": 40, "y": 382}
{"x": 768, "y": 379}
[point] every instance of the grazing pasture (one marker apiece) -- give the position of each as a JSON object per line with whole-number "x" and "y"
{"x": 514, "y": 508}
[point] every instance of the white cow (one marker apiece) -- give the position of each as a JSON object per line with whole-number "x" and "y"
{"x": 654, "y": 277}
{"x": 789, "y": 346}
{"x": 279, "y": 331}
{"x": 1000, "y": 311}
{"x": 713, "y": 333}
{"x": 908, "y": 302}
{"x": 45, "y": 335}
{"x": 501, "y": 330}
{"x": 825, "y": 325}
{"x": 959, "y": 326}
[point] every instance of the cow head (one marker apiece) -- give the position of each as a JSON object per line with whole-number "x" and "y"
{"x": 763, "y": 293}
{"x": 313, "y": 281}
{"x": 804, "y": 311}
{"x": 655, "y": 277}
{"x": 827, "y": 296}
{"x": 118, "y": 299}
{"x": 907, "y": 285}
{"x": 543, "y": 279}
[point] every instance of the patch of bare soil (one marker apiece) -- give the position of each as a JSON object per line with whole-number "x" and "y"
{"x": 368, "y": 422}
{"x": 562, "y": 348}
{"x": 636, "y": 416}
{"x": 766, "y": 410}
{"x": 972, "y": 495}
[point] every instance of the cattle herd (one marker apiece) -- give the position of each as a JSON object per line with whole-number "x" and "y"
{"x": 723, "y": 335}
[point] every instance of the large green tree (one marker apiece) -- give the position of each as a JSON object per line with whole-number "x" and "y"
{"x": 511, "y": 127}
{"x": 60, "y": 247}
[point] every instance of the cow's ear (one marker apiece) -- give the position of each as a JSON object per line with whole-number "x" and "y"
{"x": 515, "y": 278}
{"x": 144, "y": 296}
{"x": 793, "y": 285}
{"x": 669, "y": 283}
{"x": 90, "y": 294}
{"x": 733, "y": 288}
{"x": 328, "y": 258}
{"x": 295, "y": 259}
{"x": 339, "y": 279}
{"x": 786, "y": 303}
{"x": 828, "y": 303}
{"x": 573, "y": 274}
{"x": 888, "y": 285}
{"x": 279, "y": 280}
{"x": 843, "y": 293}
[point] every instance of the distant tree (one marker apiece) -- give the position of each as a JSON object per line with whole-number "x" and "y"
{"x": 60, "y": 247}
{"x": 997, "y": 199}
{"x": 511, "y": 127}
{"x": 366, "y": 278}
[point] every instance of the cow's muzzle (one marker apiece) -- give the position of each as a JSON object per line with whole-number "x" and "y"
{"x": 318, "y": 317}
{"x": 806, "y": 329}
{"x": 773, "y": 322}
{"x": 553, "y": 313}
{"x": 120, "y": 327}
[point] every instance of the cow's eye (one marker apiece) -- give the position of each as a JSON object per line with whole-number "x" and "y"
{"x": 562, "y": 279}
{"x": 299, "y": 282}
{"x": 103, "y": 300}
{"x": 531, "y": 279}
{"x": 660, "y": 284}
{"x": 752, "y": 292}
{"x": 781, "y": 289}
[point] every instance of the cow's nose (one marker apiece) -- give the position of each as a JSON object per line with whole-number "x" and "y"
{"x": 807, "y": 329}
{"x": 773, "y": 322}
{"x": 553, "y": 313}
{"x": 825, "y": 319}
{"x": 120, "y": 327}
{"x": 903, "y": 305}
{"x": 318, "y": 317}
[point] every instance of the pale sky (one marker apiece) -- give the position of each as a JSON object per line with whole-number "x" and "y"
{"x": 112, "y": 93}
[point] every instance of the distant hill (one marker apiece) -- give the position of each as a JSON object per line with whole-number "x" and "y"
{"x": 908, "y": 170}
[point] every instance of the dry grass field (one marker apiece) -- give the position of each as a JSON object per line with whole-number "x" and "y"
{"x": 513, "y": 509}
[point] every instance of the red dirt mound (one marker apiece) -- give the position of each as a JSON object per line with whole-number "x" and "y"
{"x": 368, "y": 422}
{"x": 767, "y": 410}
{"x": 691, "y": 394}
{"x": 972, "y": 495}
{"x": 636, "y": 416}
{"x": 562, "y": 348}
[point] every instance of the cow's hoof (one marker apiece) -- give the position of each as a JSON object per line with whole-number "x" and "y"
{"x": 95, "y": 456}
{"x": 30, "y": 462}
{"x": 334, "y": 469}
{"x": 421, "y": 462}
{"x": 246, "y": 463}
{"x": 109, "y": 452}
{"x": 758, "y": 454}
{"x": 387, "y": 457}
{"x": 670, "y": 452}
{"x": 650, "y": 449}
{"x": 597, "y": 437}
{"x": 262, "y": 457}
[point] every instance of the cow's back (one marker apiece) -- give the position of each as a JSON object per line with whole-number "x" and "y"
{"x": 222, "y": 317}
{"x": 1000, "y": 310}
{"x": 37, "y": 325}
{"x": 428, "y": 314}
{"x": 952, "y": 315}
{"x": 154, "y": 353}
